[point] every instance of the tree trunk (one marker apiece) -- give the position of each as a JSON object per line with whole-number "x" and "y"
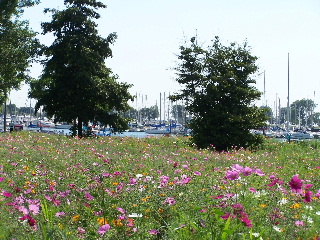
{"x": 80, "y": 135}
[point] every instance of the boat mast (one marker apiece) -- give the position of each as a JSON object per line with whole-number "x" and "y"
{"x": 288, "y": 108}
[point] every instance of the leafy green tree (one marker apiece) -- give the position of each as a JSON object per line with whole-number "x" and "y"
{"x": 268, "y": 112}
{"x": 18, "y": 46}
{"x": 178, "y": 113}
{"x": 219, "y": 93}
{"x": 76, "y": 84}
{"x": 301, "y": 111}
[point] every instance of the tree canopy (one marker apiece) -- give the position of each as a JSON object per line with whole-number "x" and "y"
{"x": 76, "y": 84}
{"x": 18, "y": 46}
{"x": 218, "y": 88}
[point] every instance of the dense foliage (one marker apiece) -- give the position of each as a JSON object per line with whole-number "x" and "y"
{"x": 58, "y": 187}
{"x": 219, "y": 92}
{"x": 18, "y": 46}
{"x": 76, "y": 85}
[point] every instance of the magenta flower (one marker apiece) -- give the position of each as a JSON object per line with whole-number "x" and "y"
{"x": 246, "y": 171}
{"x": 88, "y": 196}
{"x": 1, "y": 179}
{"x": 232, "y": 175}
{"x": 154, "y": 232}
{"x": 197, "y": 173}
{"x": 307, "y": 196}
{"x": 103, "y": 229}
{"x": 29, "y": 219}
{"x": 7, "y": 194}
{"x": 296, "y": 184}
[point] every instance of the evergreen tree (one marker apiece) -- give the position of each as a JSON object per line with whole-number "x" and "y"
{"x": 76, "y": 85}
{"x": 217, "y": 86}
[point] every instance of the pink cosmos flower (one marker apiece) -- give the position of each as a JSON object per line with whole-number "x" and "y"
{"x": 258, "y": 172}
{"x": 34, "y": 208}
{"x": 154, "y": 232}
{"x": 60, "y": 214}
{"x": 1, "y": 179}
{"x": 307, "y": 196}
{"x": 7, "y": 194}
{"x": 81, "y": 230}
{"x": 232, "y": 175}
{"x": 197, "y": 173}
{"x": 299, "y": 223}
{"x": 103, "y": 229}
{"x": 88, "y": 196}
{"x": 246, "y": 171}
{"x": 170, "y": 201}
{"x": 296, "y": 184}
{"x": 121, "y": 210}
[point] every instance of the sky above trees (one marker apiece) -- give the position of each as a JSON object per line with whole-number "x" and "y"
{"x": 150, "y": 33}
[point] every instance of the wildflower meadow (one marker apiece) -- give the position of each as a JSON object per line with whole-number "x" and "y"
{"x": 59, "y": 187}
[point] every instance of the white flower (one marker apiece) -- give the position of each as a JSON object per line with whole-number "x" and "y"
{"x": 139, "y": 176}
{"x": 318, "y": 213}
{"x": 283, "y": 201}
{"x": 277, "y": 229}
{"x": 309, "y": 207}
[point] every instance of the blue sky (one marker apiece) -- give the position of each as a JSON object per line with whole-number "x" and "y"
{"x": 150, "y": 33}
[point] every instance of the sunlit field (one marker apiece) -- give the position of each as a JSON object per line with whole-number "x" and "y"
{"x": 58, "y": 187}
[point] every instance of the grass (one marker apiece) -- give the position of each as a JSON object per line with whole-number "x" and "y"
{"x": 57, "y": 187}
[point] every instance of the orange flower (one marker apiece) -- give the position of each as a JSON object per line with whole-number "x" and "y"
{"x": 76, "y": 218}
{"x": 117, "y": 222}
{"x": 102, "y": 221}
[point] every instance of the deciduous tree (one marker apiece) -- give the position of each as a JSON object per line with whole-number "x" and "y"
{"x": 18, "y": 46}
{"x": 218, "y": 88}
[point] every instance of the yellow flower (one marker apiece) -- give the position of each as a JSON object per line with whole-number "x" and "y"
{"x": 295, "y": 206}
{"x": 26, "y": 168}
{"x": 160, "y": 210}
{"x": 102, "y": 221}
{"x": 115, "y": 183}
{"x": 76, "y": 218}
{"x": 263, "y": 205}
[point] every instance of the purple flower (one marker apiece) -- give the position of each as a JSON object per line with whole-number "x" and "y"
{"x": 258, "y": 172}
{"x": 154, "y": 232}
{"x": 296, "y": 184}
{"x": 232, "y": 175}
{"x": 88, "y": 196}
{"x": 246, "y": 171}
{"x": 197, "y": 173}
{"x": 170, "y": 201}
{"x": 103, "y": 229}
